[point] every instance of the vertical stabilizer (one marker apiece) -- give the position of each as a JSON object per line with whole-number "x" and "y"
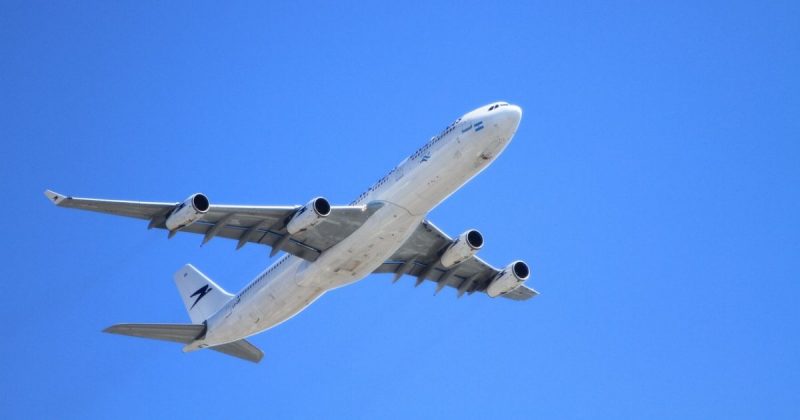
{"x": 201, "y": 296}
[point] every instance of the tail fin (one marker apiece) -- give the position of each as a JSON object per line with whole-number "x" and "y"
{"x": 186, "y": 333}
{"x": 201, "y": 296}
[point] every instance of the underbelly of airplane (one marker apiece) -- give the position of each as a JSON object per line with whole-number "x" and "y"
{"x": 302, "y": 282}
{"x": 363, "y": 251}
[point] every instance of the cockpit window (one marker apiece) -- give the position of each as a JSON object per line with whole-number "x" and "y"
{"x": 495, "y": 106}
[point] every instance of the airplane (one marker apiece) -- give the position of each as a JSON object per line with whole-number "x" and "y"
{"x": 384, "y": 230}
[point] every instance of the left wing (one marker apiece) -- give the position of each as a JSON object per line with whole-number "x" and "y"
{"x": 266, "y": 225}
{"x": 420, "y": 257}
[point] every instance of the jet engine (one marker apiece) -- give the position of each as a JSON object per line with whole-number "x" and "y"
{"x": 188, "y": 212}
{"x": 508, "y": 279}
{"x": 309, "y": 215}
{"x": 462, "y": 248}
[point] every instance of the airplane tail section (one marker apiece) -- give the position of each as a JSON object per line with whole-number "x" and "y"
{"x": 201, "y": 296}
{"x": 178, "y": 333}
{"x": 185, "y": 334}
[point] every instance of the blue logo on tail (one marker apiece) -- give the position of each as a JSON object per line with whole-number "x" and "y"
{"x": 200, "y": 293}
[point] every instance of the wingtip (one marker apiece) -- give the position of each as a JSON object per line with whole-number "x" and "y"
{"x": 110, "y": 329}
{"x": 54, "y": 197}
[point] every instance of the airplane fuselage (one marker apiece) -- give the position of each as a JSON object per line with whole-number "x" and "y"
{"x": 406, "y": 194}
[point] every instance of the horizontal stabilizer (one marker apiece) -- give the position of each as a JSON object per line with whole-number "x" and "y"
{"x": 179, "y": 333}
{"x": 185, "y": 334}
{"x": 241, "y": 349}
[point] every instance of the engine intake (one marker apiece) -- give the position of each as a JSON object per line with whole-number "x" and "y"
{"x": 189, "y": 211}
{"x": 309, "y": 215}
{"x": 464, "y": 247}
{"x": 509, "y": 279}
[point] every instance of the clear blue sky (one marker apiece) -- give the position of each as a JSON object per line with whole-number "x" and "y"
{"x": 652, "y": 186}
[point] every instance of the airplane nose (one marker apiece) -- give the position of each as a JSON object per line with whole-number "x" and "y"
{"x": 513, "y": 113}
{"x": 508, "y": 117}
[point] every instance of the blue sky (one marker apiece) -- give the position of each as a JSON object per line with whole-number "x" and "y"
{"x": 652, "y": 186}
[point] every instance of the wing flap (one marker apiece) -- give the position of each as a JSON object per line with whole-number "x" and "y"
{"x": 522, "y": 292}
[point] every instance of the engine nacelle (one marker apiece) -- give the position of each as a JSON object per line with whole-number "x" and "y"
{"x": 309, "y": 215}
{"x": 462, "y": 248}
{"x": 188, "y": 212}
{"x": 508, "y": 279}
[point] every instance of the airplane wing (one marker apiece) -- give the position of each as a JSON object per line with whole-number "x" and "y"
{"x": 264, "y": 225}
{"x": 419, "y": 257}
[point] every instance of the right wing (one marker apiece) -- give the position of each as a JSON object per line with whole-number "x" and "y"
{"x": 264, "y": 225}
{"x": 419, "y": 257}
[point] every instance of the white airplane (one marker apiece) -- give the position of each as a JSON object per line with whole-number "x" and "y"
{"x": 384, "y": 230}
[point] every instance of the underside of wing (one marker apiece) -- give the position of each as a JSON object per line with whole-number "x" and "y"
{"x": 422, "y": 257}
{"x": 137, "y": 209}
{"x": 304, "y": 231}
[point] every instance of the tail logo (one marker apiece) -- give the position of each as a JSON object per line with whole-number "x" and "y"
{"x": 200, "y": 293}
